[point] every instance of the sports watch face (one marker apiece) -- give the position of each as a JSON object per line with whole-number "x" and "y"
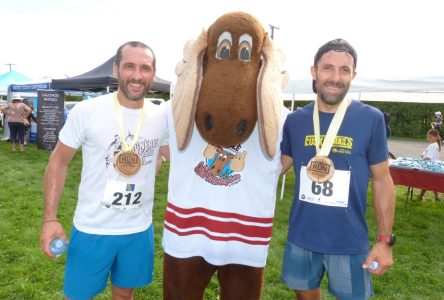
{"x": 392, "y": 239}
{"x": 389, "y": 239}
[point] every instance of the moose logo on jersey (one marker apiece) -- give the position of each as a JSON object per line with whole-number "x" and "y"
{"x": 220, "y": 165}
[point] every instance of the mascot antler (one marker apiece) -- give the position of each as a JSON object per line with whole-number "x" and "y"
{"x": 271, "y": 80}
{"x": 189, "y": 72}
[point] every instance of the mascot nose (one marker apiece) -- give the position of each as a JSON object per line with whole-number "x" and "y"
{"x": 241, "y": 127}
{"x": 209, "y": 123}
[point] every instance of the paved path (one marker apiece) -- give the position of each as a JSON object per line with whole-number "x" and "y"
{"x": 403, "y": 148}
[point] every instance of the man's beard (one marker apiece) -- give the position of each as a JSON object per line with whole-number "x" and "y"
{"x": 123, "y": 87}
{"x": 329, "y": 98}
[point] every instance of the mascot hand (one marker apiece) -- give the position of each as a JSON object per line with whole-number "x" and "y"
{"x": 210, "y": 150}
{"x": 238, "y": 162}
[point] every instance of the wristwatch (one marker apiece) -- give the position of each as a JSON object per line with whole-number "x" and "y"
{"x": 390, "y": 239}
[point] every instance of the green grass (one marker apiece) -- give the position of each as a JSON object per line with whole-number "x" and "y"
{"x": 25, "y": 273}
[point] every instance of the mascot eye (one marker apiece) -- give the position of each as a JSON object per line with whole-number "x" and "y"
{"x": 245, "y": 45}
{"x": 245, "y": 52}
{"x": 224, "y": 45}
{"x": 223, "y": 51}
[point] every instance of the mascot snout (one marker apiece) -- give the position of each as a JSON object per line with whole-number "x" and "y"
{"x": 226, "y": 110}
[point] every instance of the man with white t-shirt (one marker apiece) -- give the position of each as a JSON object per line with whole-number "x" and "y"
{"x": 121, "y": 135}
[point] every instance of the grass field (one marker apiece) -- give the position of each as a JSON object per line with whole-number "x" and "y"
{"x": 25, "y": 273}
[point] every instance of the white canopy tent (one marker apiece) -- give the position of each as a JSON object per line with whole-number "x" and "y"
{"x": 419, "y": 90}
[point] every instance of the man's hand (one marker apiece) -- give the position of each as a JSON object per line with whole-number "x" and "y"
{"x": 381, "y": 253}
{"x": 50, "y": 230}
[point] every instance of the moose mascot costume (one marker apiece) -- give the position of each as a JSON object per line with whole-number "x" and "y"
{"x": 225, "y": 126}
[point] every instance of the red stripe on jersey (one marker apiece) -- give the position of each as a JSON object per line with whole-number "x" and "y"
{"x": 218, "y": 226}
{"x": 216, "y": 238}
{"x": 219, "y": 214}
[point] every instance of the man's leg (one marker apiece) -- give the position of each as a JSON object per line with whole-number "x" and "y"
{"x": 309, "y": 295}
{"x": 421, "y": 195}
{"x": 122, "y": 293}
{"x": 185, "y": 278}
{"x": 134, "y": 264}
{"x": 88, "y": 261}
{"x": 302, "y": 271}
{"x": 347, "y": 280}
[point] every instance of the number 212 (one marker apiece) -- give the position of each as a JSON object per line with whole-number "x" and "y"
{"x": 119, "y": 197}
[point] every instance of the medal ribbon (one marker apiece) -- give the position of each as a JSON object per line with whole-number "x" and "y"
{"x": 332, "y": 129}
{"x": 125, "y": 146}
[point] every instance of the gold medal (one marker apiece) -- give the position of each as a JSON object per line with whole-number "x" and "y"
{"x": 127, "y": 163}
{"x": 320, "y": 168}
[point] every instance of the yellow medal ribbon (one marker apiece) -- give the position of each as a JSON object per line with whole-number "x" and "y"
{"x": 332, "y": 129}
{"x": 125, "y": 146}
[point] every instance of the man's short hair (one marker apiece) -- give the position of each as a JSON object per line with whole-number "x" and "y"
{"x": 338, "y": 45}
{"x": 118, "y": 56}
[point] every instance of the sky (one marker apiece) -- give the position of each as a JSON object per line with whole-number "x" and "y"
{"x": 394, "y": 39}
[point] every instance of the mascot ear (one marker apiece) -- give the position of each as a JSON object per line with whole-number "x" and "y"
{"x": 189, "y": 72}
{"x": 269, "y": 97}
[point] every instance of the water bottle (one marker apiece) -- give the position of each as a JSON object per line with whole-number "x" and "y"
{"x": 58, "y": 246}
{"x": 374, "y": 265}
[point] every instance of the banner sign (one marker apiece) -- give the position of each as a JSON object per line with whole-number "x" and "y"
{"x": 50, "y": 117}
{"x": 32, "y": 87}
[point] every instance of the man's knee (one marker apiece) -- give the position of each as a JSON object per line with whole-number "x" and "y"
{"x": 122, "y": 293}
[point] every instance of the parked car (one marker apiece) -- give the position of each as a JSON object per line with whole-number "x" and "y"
{"x": 68, "y": 106}
{"x": 157, "y": 101}
{"x": 2, "y": 102}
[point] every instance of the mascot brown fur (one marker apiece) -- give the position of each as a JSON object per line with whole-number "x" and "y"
{"x": 229, "y": 86}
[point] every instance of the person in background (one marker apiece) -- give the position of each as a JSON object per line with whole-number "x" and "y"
{"x": 333, "y": 160}
{"x": 438, "y": 121}
{"x": 16, "y": 111}
{"x": 31, "y": 118}
{"x": 121, "y": 135}
{"x": 431, "y": 153}
{"x": 388, "y": 130}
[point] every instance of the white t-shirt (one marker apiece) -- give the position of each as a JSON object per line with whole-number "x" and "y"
{"x": 431, "y": 152}
{"x": 93, "y": 125}
{"x": 219, "y": 208}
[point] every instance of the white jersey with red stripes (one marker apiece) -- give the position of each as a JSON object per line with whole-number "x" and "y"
{"x": 220, "y": 200}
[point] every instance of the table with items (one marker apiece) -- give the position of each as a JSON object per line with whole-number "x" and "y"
{"x": 417, "y": 173}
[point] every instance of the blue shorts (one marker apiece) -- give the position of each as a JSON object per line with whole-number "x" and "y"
{"x": 91, "y": 258}
{"x": 303, "y": 270}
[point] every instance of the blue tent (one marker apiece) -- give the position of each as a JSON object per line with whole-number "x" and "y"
{"x": 9, "y": 78}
